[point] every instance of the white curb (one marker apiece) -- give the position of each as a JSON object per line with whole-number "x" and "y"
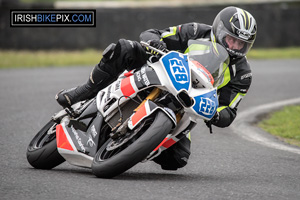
{"x": 243, "y": 125}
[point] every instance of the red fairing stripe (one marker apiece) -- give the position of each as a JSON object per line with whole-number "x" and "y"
{"x": 61, "y": 139}
{"x": 169, "y": 143}
{"x": 166, "y": 143}
{"x": 161, "y": 144}
{"x": 139, "y": 114}
{"x": 126, "y": 87}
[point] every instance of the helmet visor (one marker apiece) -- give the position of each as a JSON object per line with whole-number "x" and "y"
{"x": 235, "y": 45}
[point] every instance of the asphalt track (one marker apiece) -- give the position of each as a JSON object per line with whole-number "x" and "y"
{"x": 229, "y": 164}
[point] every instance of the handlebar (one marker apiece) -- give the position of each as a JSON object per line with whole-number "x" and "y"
{"x": 145, "y": 44}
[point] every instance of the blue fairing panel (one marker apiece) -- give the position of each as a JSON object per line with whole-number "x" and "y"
{"x": 178, "y": 70}
{"x": 206, "y": 104}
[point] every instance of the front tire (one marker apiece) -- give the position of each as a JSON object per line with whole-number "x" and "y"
{"x": 42, "y": 151}
{"x": 108, "y": 164}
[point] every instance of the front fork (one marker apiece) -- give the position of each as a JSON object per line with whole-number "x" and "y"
{"x": 153, "y": 95}
{"x": 121, "y": 126}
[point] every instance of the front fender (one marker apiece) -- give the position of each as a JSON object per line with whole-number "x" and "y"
{"x": 146, "y": 110}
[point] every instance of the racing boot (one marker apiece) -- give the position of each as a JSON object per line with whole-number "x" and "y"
{"x": 98, "y": 80}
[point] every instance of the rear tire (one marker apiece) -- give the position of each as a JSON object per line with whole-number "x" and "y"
{"x": 108, "y": 164}
{"x": 42, "y": 151}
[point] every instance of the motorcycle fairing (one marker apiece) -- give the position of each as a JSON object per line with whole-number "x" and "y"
{"x": 76, "y": 146}
{"x": 146, "y": 77}
{"x": 141, "y": 79}
{"x": 206, "y": 104}
{"x": 166, "y": 143}
{"x": 109, "y": 98}
{"x": 68, "y": 150}
{"x": 146, "y": 110}
{"x": 62, "y": 139}
{"x": 205, "y": 99}
{"x": 178, "y": 70}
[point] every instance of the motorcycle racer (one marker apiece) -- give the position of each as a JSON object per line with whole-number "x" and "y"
{"x": 233, "y": 28}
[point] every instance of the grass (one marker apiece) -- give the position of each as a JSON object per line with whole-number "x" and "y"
{"x": 18, "y": 59}
{"x": 279, "y": 53}
{"x": 284, "y": 124}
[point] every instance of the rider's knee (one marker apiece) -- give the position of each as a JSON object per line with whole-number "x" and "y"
{"x": 109, "y": 51}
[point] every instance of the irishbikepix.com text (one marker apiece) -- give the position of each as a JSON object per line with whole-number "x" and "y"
{"x": 53, "y": 18}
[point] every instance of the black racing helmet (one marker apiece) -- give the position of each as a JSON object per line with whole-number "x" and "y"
{"x": 235, "y": 29}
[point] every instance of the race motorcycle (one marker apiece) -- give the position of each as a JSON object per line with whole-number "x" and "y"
{"x": 134, "y": 119}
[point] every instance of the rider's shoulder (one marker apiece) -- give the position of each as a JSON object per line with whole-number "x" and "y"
{"x": 242, "y": 64}
{"x": 242, "y": 70}
{"x": 196, "y": 27}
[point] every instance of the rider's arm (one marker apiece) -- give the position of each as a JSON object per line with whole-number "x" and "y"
{"x": 176, "y": 37}
{"x": 238, "y": 79}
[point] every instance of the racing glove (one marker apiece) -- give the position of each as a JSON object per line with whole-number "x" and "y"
{"x": 213, "y": 121}
{"x": 158, "y": 44}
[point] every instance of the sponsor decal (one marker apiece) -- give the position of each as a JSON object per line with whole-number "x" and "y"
{"x": 186, "y": 131}
{"x": 206, "y": 104}
{"x": 78, "y": 139}
{"x": 243, "y": 34}
{"x": 93, "y": 131}
{"x": 108, "y": 94}
{"x": 235, "y": 52}
{"x": 138, "y": 76}
{"x": 246, "y": 76}
{"x": 145, "y": 77}
{"x": 118, "y": 84}
{"x": 90, "y": 142}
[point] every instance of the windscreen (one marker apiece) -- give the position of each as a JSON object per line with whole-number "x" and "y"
{"x": 212, "y": 58}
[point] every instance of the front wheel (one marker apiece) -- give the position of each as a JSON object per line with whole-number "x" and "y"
{"x": 42, "y": 151}
{"x": 114, "y": 157}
